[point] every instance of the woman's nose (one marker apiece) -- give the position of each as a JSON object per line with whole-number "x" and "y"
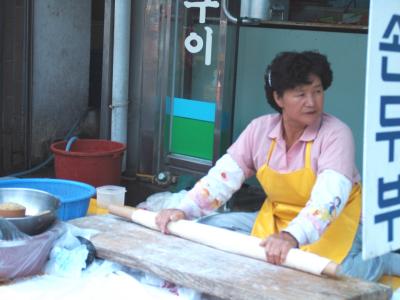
{"x": 310, "y": 100}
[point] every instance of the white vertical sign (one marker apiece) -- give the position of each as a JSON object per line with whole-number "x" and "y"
{"x": 381, "y": 166}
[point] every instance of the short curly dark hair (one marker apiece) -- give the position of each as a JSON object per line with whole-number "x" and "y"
{"x": 291, "y": 69}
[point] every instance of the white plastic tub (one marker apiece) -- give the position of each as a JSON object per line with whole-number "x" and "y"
{"x": 110, "y": 194}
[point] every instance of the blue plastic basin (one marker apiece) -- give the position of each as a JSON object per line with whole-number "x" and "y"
{"x": 74, "y": 195}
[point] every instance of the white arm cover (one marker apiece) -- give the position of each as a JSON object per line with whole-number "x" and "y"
{"x": 214, "y": 189}
{"x": 328, "y": 198}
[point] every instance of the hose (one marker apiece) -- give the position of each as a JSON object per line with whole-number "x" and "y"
{"x": 70, "y": 142}
{"x": 67, "y": 137}
{"x": 32, "y": 170}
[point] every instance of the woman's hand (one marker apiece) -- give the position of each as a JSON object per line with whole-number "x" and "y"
{"x": 167, "y": 215}
{"x": 277, "y": 247}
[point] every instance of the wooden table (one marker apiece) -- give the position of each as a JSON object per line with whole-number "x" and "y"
{"x": 212, "y": 271}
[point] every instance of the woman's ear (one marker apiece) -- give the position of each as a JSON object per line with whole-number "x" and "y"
{"x": 278, "y": 99}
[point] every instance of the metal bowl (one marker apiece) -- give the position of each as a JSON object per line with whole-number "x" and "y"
{"x": 41, "y": 208}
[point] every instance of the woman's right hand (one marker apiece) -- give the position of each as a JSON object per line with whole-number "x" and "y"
{"x": 167, "y": 215}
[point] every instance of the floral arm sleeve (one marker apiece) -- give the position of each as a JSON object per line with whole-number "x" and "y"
{"x": 328, "y": 198}
{"x": 214, "y": 189}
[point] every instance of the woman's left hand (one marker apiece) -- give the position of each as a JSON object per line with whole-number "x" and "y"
{"x": 277, "y": 247}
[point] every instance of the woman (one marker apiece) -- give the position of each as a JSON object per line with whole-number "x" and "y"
{"x": 304, "y": 160}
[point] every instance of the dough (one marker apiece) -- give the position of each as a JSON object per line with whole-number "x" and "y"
{"x": 229, "y": 241}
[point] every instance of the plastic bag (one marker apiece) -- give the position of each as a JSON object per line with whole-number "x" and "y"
{"x": 67, "y": 262}
{"x": 396, "y": 295}
{"x": 71, "y": 253}
{"x": 27, "y": 256}
{"x": 159, "y": 201}
{"x": 10, "y": 232}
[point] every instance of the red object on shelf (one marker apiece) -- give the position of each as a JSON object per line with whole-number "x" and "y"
{"x": 93, "y": 161}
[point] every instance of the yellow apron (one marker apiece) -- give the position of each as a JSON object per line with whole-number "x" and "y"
{"x": 288, "y": 194}
{"x": 392, "y": 281}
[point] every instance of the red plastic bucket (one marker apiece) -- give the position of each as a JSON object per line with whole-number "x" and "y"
{"x": 96, "y": 162}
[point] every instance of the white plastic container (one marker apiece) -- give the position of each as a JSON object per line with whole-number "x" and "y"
{"x": 110, "y": 194}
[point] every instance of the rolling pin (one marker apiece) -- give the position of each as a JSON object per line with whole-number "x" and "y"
{"x": 229, "y": 241}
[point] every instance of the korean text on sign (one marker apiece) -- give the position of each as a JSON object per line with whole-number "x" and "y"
{"x": 381, "y": 172}
{"x": 194, "y": 42}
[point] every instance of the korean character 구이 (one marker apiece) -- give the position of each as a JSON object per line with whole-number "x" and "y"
{"x": 202, "y": 5}
{"x": 194, "y": 37}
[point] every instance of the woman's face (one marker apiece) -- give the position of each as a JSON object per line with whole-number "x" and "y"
{"x": 302, "y": 105}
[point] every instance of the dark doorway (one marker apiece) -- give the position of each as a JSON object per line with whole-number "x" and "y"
{"x": 96, "y": 53}
{"x": 14, "y": 89}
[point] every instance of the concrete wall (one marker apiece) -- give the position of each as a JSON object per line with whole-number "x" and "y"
{"x": 60, "y": 78}
{"x": 346, "y": 53}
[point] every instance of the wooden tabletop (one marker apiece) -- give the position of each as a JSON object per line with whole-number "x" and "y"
{"x": 212, "y": 271}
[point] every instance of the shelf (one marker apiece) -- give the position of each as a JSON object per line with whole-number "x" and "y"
{"x": 313, "y": 26}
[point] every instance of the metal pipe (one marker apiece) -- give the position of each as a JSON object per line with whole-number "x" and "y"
{"x": 28, "y": 78}
{"x": 173, "y": 83}
{"x": 251, "y": 11}
{"x": 106, "y": 81}
{"x": 227, "y": 13}
{"x": 136, "y": 88}
{"x": 120, "y": 81}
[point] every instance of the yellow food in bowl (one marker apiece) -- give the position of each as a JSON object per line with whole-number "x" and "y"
{"x": 12, "y": 210}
